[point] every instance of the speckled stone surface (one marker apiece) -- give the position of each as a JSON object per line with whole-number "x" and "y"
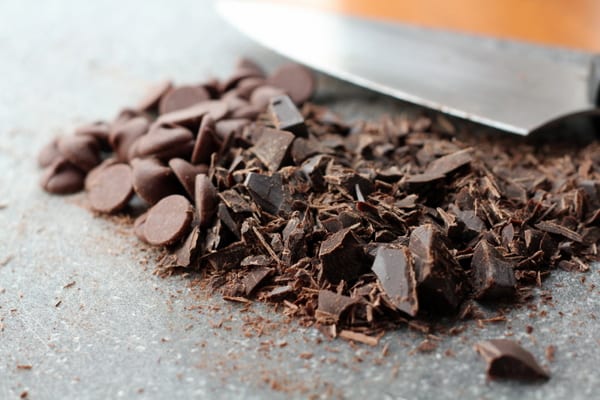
{"x": 78, "y": 306}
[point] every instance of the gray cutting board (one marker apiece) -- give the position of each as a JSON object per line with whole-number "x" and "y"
{"x": 119, "y": 331}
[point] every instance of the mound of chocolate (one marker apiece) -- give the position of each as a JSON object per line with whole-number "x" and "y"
{"x": 349, "y": 226}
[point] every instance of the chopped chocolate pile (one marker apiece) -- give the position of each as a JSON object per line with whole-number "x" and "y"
{"x": 354, "y": 227}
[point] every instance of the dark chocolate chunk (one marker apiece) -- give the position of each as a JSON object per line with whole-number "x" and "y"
{"x": 493, "y": 275}
{"x": 286, "y": 116}
{"x": 297, "y": 80}
{"x": 206, "y": 200}
{"x": 111, "y": 189}
{"x": 152, "y": 181}
{"x": 443, "y": 166}
{"x": 186, "y": 173}
{"x": 342, "y": 257}
{"x": 62, "y": 177}
{"x": 235, "y": 201}
{"x": 155, "y": 93}
{"x": 314, "y": 169}
{"x": 168, "y": 220}
{"x": 394, "y": 269}
{"x": 255, "y": 278}
{"x": 508, "y": 360}
{"x": 266, "y": 191}
{"x": 227, "y": 220}
{"x": 182, "y": 97}
{"x": 272, "y": 147}
{"x": 334, "y": 305}
{"x": 436, "y": 270}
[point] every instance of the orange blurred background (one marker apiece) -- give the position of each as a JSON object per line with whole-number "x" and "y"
{"x": 565, "y": 23}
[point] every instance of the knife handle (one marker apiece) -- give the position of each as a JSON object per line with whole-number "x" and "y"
{"x": 574, "y": 23}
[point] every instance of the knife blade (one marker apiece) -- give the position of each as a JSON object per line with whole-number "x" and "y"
{"x": 506, "y": 85}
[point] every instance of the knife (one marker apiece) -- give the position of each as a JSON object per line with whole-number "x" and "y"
{"x": 519, "y": 87}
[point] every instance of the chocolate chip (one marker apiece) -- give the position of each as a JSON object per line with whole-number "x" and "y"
{"x": 182, "y": 97}
{"x": 138, "y": 227}
{"x": 48, "y": 154}
{"x": 507, "y": 360}
{"x": 190, "y": 117}
{"x": 111, "y": 189}
{"x": 206, "y": 142}
{"x": 93, "y": 174}
{"x": 233, "y": 101}
{"x": 168, "y": 220}
{"x": 394, "y": 270}
{"x": 98, "y": 130}
{"x": 152, "y": 98}
{"x": 125, "y": 134}
{"x": 62, "y": 177}
{"x": 186, "y": 173}
{"x": 165, "y": 142}
{"x": 272, "y": 147}
{"x": 493, "y": 275}
{"x": 81, "y": 151}
{"x": 342, "y": 257}
{"x": 247, "y": 112}
{"x": 286, "y": 116}
{"x": 206, "y": 199}
{"x": 226, "y": 127}
{"x": 152, "y": 181}
{"x": 246, "y": 86}
{"x": 244, "y": 69}
{"x": 246, "y": 64}
{"x": 261, "y": 96}
{"x": 298, "y": 81}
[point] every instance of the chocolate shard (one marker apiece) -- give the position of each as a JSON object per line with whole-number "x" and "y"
{"x": 185, "y": 254}
{"x": 272, "y": 147}
{"x": 255, "y": 278}
{"x": 286, "y": 116}
{"x": 266, "y": 191}
{"x": 553, "y": 227}
{"x": 342, "y": 257}
{"x": 332, "y": 305}
{"x": 493, "y": 275}
{"x": 442, "y": 166}
{"x": 508, "y": 360}
{"x": 394, "y": 270}
{"x": 436, "y": 270}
